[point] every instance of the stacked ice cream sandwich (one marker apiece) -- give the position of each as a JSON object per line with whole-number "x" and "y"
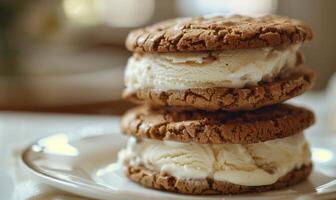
{"x": 212, "y": 119}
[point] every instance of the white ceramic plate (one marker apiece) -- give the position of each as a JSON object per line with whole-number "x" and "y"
{"x": 86, "y": 166}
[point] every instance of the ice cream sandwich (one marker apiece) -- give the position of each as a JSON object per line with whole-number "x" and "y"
{"x": 212, "y": 119}
{"x": 211, "y": 63}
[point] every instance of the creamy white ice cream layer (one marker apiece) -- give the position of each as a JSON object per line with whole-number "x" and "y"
{"x": 251, "y": 165}
{"x": 229, "y": 68}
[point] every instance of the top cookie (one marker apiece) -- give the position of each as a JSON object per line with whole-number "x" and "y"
{"x": 218, "y": 33}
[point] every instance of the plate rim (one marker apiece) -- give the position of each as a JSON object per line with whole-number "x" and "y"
{"x": 45, "y": 178}
{"x": 88, "y": 190}
{"x": 68, "y": 186}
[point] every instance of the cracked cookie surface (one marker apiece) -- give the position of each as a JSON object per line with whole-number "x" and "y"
{"x": 218, "y": 127}
{"x": 155, "y": 180}
{"x": 284, "y": 87}
{"x": 218, "y": 33}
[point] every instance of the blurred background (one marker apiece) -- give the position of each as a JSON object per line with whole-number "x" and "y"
{"x": 69, "y": 55}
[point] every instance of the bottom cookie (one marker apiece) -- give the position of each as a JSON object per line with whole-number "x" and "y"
{"x": 169, "y": 183}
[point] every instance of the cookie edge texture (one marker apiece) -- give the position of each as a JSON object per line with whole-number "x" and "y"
{"x": 205, "y": 34}
{"x": 142, "y": 122}
{"x": 160, "y": 181}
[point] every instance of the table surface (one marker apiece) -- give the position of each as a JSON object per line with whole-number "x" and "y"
{"x": 19, "y": 128}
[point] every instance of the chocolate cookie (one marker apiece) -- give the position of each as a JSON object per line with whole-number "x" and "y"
{"x": 169, "y": 183}
{"x": 286, "y": 86}
{"x": 218, "y": 127}
{"x": 218, "y": 33}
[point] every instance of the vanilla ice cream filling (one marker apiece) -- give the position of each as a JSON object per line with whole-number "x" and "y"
{"x": 250, "y": 164}
{"x": 229, "y": 68}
